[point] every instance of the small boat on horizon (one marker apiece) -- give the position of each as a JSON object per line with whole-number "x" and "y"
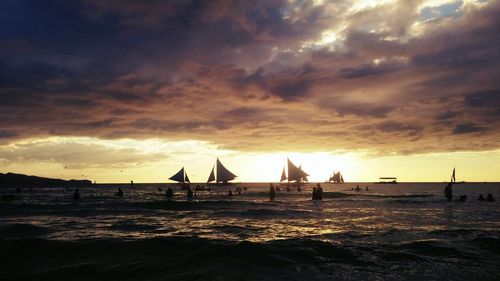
{"x": 387, "y": 180}
{"x": 336, "y": 177}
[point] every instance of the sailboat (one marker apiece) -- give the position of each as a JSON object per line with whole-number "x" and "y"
{"x": 304, "y": 177}
{"x": 181, "y": 176}
{"x": 295, "y": 174}
{"x": 223, "y": 174}
{"x": 336, "y": 178}
{"x": 453, "y": 179}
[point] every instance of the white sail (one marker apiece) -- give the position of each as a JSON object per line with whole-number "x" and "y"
{"x": 223, "y": 174}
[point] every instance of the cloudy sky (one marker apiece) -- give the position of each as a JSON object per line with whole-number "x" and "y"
{"x": 119, "y": 90}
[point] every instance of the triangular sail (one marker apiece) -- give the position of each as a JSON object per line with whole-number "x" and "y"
{"x": 186, "y": 179}
{"x": 283, "y": 175}
{"x": 295, "y": 173}
{"x": 223, "y": 174}
{"x": 212, "y": 176}
{"x": 304, "y": 174}
{"x": 453, "y": 175}
{"x": 332, "y": 177}
{"x": 341, "y": 179}
{"x": 179, "y": 176}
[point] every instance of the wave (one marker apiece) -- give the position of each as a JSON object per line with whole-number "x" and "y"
{"x": 193, "y": 258}
{"x": 336, "y": 195}
{"x": 21, "y": 230}
{"x": 398, "y": 195}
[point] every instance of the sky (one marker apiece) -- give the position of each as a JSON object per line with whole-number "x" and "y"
{"x": 114, "y": 91}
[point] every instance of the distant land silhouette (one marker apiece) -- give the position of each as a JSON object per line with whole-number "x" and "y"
{"x": 19, "y": 180}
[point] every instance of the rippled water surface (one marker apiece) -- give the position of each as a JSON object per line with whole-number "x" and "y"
{"x": 391, "y": 232}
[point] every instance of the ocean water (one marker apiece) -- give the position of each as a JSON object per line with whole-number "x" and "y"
{"x": 405, "y": 231}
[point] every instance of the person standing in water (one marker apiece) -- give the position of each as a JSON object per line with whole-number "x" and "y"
{"x": 272, "y": 192}
{"x": 317, "y": 192}
{"x": 189, "y": 193}
{"x": 76, "y": 195}
{"x": 169, "y": 193}
{"x": 490, "y": 198}
{"x": 448, "y": 192}
{"x": 120, "y": 192}
{"x": 320, "y": 192}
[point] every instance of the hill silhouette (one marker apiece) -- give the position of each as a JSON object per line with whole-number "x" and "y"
{"x": 20, "y": 180}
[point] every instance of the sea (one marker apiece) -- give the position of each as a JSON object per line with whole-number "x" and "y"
{"x": 405, "y": 231}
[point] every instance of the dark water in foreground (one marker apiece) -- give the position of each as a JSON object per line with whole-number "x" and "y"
{"x": 392, "y": 232}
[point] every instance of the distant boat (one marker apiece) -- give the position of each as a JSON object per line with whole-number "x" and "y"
{"x": 180, "y": 176}
{"x": 295, "y": 174}
{"x": 392, "y": 180}
{"x": 336, "y": 178}
{"x": 223, "y": 174}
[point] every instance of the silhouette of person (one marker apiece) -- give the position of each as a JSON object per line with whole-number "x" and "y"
{"x": 490, "y": 198}
{"x": 448, "y": 192}
{"x": 18, "y": 190}
{"x": 120, "y": 192}
{"x": 481, "y": 197}
{"x": 189, "y": 193}
{"x": 169, "y": 193}
{"x": 230, "y": 193}
{"x": 159, "y": 189}
{"x": 319, "y": 192}
{"x": 272, "y": 192}
{"x": 366, "y": 188}
{"x": 76, "y": 195}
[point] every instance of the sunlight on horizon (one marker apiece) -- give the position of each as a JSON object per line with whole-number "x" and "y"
{"x": 156, "y": 160}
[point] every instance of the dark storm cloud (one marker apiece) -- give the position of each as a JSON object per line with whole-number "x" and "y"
{"x": 448, "y": 115}
{"x": 467, "y": 128}
{"x": 486, "y": 98}
{"x": 224, "y": 71}
{"x": 391, "y": 127}
{"x": 5, "y": 134}
{"x": 360, "y": 109}
{"x": 365, "y": 70}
